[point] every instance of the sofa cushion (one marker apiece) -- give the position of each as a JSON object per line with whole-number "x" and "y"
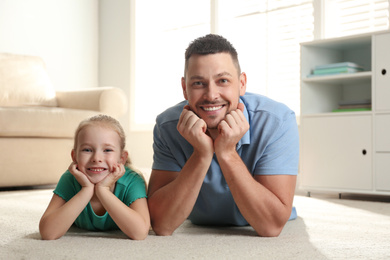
{"x": 50, "y": 122}
{"x": 24, "y": 81}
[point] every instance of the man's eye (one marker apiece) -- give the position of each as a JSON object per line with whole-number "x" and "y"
{"x": 223, "y": 81}
{"x": 197, "y": 84}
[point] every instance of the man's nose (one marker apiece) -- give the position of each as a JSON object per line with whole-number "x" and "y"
{"x": 212, "y": 92}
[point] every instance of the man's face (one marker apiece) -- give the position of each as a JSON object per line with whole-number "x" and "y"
{"x": 212, "y": 87}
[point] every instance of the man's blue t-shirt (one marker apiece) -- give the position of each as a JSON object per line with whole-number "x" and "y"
{"x": 270, "y": 147}
{"x": 129, "y": 188}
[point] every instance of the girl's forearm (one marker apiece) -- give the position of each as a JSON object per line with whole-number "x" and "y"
{"x": 56, "y": 221}
{"x": 135, "y": 224}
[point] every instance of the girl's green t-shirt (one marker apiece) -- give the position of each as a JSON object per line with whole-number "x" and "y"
{"x": 130, "y": 187}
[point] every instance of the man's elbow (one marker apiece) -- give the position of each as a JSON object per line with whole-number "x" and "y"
{"x": 161, "y": 230}
{"x": 270, "y": 230}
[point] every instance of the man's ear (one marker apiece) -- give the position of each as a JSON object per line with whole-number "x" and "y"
{"x": 242, "y": 84}
{"x": 184, "y": 87}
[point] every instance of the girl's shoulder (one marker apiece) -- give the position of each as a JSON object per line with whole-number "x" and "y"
{"x": 131, "y": 176}
{"x": 67, "y": 186}
{"x": 130, "y": 187}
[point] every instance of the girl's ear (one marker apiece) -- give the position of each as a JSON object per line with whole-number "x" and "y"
{"x": 73, "y": 155}
{"x": 124, "y": 156}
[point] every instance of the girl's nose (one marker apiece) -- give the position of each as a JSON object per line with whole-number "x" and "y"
{"x": 96, "y": 157}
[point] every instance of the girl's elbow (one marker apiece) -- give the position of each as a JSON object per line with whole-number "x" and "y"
{"x": 49, "y": 235}
{"x": 140, "y": 235}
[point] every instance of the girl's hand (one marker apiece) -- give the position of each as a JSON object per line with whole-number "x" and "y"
{"x": 81, "y": 178}
{"x": 116, "y": 172}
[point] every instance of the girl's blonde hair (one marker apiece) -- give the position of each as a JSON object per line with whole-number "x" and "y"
{"x": 106, "y": 121}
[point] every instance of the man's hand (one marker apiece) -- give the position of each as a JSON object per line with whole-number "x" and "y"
{"x": 193, "y": 129}
{"x": 81, "y": 178}
{"x": 231, "y": 130}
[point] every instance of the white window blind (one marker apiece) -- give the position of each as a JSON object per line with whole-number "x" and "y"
{"x": 348, "y": 17}
{"x": 163, "y": 30}
{"x": 266, "y": 35}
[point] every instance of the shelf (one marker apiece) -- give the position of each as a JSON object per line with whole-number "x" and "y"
{"x": 346, "y": 150}
{"x": 337, "y": 114}
{"x": 340, "y": 78}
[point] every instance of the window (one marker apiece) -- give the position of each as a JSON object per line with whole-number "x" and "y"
{"x": 162, "y": 34}
{"x": 266, "y": 34}
{"x": 347, "y": 17}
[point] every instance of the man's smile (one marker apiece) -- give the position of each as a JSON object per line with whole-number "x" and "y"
{"x": 212, "y": 108}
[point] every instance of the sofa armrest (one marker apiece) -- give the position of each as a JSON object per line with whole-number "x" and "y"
{"x": 107, "y": 100}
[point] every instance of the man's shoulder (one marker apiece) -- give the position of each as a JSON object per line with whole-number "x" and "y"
{"x": 171, "y": 114}
{"x": 259, "y": 104}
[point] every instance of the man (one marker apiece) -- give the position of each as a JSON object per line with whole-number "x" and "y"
{"x": 223, "y": 156}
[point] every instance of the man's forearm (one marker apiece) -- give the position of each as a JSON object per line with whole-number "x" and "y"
{"x": 266, "y": 209}
{"x": 170, "y": 205}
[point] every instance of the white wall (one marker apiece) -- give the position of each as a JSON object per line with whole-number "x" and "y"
{"x": 114, "y": 46}
{"x": 63, "y": 32}
{"x": 85, "y": 43}
{"x": 115, "y": 69}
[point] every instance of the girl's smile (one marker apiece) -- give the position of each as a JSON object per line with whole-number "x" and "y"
{"x": 97, "y": 170}
{"x": 97, "y": 152}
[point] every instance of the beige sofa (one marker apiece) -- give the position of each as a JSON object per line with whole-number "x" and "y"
{"x": 37, "y": 123}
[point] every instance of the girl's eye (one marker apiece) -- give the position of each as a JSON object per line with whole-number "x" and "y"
{"x": 87, "y": 150}
{"x": 108, "y": 150}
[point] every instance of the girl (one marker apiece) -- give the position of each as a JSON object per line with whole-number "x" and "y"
{"x": 99, "y": 191}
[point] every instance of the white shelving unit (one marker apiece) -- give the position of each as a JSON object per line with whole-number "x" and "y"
{"x": 346, "y": 152}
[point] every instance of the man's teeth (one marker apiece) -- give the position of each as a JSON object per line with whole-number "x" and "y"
{"x": 212, "y": 108}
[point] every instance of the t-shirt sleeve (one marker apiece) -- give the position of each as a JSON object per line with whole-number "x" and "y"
{"x": 135, "y": 189}
{"x": 67, "y": 186}
{"x": 163, "y": 158}
{"x": 281, "y": 156}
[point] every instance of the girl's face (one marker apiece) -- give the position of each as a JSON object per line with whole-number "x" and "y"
{"x": 98, "y": 151}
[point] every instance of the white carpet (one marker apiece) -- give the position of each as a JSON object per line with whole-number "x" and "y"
{"x": 327, "y": 228}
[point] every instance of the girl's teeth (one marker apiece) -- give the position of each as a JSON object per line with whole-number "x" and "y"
{"x": 212, "y": 108}
{"x": 97, "y": 170}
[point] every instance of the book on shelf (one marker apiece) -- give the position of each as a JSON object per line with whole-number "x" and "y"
{"x": 354, "y": 106}
{"x": 351, "y": 110}
{"x": 338, "y": 65}
{"x": 336, "y": 71}
{"x": 336, "y": 68}
{"x": 366, "y": 101}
